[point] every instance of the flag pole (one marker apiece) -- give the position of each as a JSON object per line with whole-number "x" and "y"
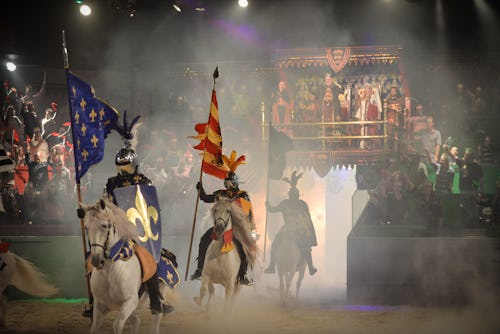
{"x": 267, "y": 185}
{"x": 77, "y": 172}
{"x": 215, "y": 76}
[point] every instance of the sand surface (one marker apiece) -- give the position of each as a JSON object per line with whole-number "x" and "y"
{"x": 261, "y": 312}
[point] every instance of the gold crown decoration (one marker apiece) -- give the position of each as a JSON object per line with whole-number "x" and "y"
{"x": 232, "y": 162}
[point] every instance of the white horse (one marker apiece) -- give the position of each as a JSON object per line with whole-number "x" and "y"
{"x": 289, "y": 260}
{"x": 222, "y": 261}
{"x": 25, "y": 276}
{"x": 114, "y": 284}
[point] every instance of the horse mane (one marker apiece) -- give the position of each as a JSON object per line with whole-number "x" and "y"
{"x": 241, "y": 229}
{"x": 118, "y": 217}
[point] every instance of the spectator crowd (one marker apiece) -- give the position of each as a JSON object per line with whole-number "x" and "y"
{"x": 432, "y": 152}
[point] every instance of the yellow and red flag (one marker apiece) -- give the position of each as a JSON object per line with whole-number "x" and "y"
{"x": 210, "y": 137}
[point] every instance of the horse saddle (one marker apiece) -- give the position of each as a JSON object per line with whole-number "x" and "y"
{"x": 123, "y": 251}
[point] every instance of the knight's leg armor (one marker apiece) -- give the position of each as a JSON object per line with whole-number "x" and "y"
{"x": 309, "y": 261}
{"x": 205, "y": 241}
{"x": 88, "y": 312}
{"x": 153, "y": 287}
{"x": 242, "y": 273}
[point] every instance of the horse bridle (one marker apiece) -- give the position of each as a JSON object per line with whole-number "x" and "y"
{"x": 106, "y": 242}
{"x": 225, "y": 221}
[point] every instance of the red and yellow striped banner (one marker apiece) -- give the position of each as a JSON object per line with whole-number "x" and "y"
{"x": 210, "y": 137}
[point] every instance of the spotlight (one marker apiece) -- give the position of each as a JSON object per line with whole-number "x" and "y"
{"x": 10, "y": 66}
{"x": 243, "y": 3}
{"x": 85, "y": 10}
{"x": 131, "y": 8}
{"x": 177, "y": 8}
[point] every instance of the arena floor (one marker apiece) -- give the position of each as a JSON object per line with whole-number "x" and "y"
{"x": 262, "y": 313}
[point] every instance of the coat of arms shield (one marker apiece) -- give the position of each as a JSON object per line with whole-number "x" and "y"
{"x": 140, "y": 203}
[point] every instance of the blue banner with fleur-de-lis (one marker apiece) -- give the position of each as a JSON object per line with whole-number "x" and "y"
{"x": 91, "y": 121}
{"x": 140, "y": 203}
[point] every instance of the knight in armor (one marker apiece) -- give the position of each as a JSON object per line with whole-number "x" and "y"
{"x": 126, "y": 162}
{"x": 240, "y": 198}
{"x": 298, "y": 220}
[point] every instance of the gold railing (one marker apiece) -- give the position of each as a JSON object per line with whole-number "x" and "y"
{"x": 322, "y": 127}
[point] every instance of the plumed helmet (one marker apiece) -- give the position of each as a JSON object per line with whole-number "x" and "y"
{"x": 293, "y": 193}
{"x": 126, "y": 161}
{"x": 232, "y": 162}
{"x": 231, "y": 181}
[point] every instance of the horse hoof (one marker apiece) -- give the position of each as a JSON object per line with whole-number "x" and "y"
{"x": 197, "y": 300}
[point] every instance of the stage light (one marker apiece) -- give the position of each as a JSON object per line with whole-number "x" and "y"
{"x": 243, "y": 3}
{"x": 177, "y": 8}
{"x": 10, "y": 66}
{"x": 131, "y": 8}
{"x": 85, "y": 10}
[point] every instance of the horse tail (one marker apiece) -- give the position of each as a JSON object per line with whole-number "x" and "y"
{"x": 29, "y": 279}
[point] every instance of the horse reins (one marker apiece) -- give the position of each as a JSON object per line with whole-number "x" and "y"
{"x": 226, "y": 222}
{"x": 106, "y": 244}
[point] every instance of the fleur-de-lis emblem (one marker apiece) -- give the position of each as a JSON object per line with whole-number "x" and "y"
{"x": 94, "y": 141}
{"x": 143, "y": 213}
{"x": 92, "y": 115}
{"x": 83, "y": 129}
{"x": 83, "y": 103}
{"x": 170, "y": 277}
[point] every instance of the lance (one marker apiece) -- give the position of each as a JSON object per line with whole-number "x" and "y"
{"x": 215, "y": 76}
{"x": 77, "y": 176}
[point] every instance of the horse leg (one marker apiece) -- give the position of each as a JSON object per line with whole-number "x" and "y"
{"x": 211, "y": 290}
{"x": 203, "y": 291}
{"x": 156, "y": 319}
{"x": 288, "y": 284}
{"x": 127, "y": 308}
{"x": 230, "y": 287}
{"x": 282, "y": 287}
{"x": 98, "y": 314}
{"x": 135, "y": 322}
{"x": 299, "y": 280}
{"x": 155, "y": 324}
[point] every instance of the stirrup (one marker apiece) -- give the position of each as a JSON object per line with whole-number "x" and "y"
{"x": 167, "y": 308}
{"x": 196, "y": 275}
{"x": 88, "y": 312}
{"x": 163, "y": 309}
{"x": 245, "y": 280}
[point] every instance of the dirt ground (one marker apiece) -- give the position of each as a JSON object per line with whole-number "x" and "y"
{"x": 260, "y": 312}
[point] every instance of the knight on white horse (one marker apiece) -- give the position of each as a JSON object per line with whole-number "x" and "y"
{"x": 222, "y": 261}
{"x": 239, "y": 198}
{"x": 118, "y": 267}
{"x": 120, "y": 189}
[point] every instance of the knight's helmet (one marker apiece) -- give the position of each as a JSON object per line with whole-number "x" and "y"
{"x": 126, "y": 160}
{"x": 293, "y": 193}
{"x": 232, "y": 180}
